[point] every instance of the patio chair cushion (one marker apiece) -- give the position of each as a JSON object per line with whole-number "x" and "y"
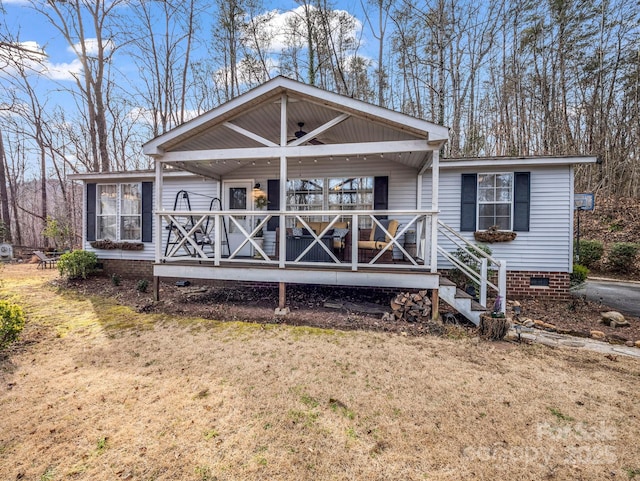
{"x": 378, "y": 234}
{"x": 318, "y": 227}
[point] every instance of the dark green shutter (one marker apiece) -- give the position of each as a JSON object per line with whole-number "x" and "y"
{"x": 468, "y": 199}
{"x": 381, "y": 194}
{"x": 91, "y": 212}
{"x": 147, "y": 211}
{"x": 273, "y": 202}
{"x": 521, "y": 201}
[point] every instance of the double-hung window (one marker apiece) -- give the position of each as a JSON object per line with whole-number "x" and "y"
{"x": 500, "y": 199}
{"x": 119, "y": 212}
{"x": 495, "y": 201}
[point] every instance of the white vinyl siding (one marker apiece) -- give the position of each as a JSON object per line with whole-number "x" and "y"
{"x": 207, "y": 188}
{"x": 547, "y": 244}
{"x": 402, "y": 179}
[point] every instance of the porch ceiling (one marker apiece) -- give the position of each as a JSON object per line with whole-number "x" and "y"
{"x": 247, "y": 130}
{"x": 264, "y": 121}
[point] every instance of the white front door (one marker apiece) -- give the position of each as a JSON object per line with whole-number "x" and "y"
{"x": 237, "y": 196}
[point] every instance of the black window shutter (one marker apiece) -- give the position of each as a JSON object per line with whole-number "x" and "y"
{"x": 521, "y": 201}
{"x": 381, "y": 194}
{"x": 147, "y": 211}
{"x": 468, "y": 198}
{"x": 273, "y": 202}
{"x": 91, "y": 212}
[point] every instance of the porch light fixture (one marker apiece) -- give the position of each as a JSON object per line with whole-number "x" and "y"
{"x": 259, "y": 196}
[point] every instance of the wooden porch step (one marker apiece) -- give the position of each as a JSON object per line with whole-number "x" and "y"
{"x": 476, "y": 306}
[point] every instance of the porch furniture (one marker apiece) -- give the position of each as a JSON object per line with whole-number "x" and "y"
{"x": 44, "y": 261}
{"x": 372, "y": 241}
{"x": 298, "y": 242}
{"x": 340, "y": 230}
{"x": 296, "y": 245}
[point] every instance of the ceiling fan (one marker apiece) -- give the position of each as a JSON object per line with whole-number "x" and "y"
{"x": 301, "y": 133}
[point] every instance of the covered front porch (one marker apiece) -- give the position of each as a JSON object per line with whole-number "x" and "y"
{"x": 305, "y": 186}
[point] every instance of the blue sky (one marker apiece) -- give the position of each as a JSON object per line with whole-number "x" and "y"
{"x": 53, "y": 79}
{"x": 34, "y": 32}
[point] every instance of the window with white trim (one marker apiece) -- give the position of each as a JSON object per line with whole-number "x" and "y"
{"x": 119, "y": 212}
{"x": 352, "y": 193}
{"x": 495, "y": 201}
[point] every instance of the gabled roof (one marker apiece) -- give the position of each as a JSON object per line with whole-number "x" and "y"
{"x": 258, "y": 111}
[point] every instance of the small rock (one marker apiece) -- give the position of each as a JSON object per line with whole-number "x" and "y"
{"x": 637, "y": 344}
{"x": 388, "y": 316}
{"x": 476, "y": 340}
{"x": 516, "y": 304}
{"x": 539, "y": 323}
{"x": 613, "y": 319}
{"x": 511, "y": 336}
{"x": 281, "y": 311}
{"x": 333, "y": 305}
{"x": 597, "y": 334}
{"x": 615, "y": 339}
{"x": 528, "y": 323}
{"x": 548, "y": 326}
{"x": 629, "y": 343}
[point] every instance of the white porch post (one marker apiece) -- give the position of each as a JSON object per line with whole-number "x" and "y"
{"x": 158, "y": 207}
{"x": 283, "y": 183}
{"x": 435, "y": 194}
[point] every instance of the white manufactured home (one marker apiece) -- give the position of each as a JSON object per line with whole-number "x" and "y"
{"x": 288, "y": 183}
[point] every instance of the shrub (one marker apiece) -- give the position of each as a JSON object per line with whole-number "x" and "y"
{"x": 115, "y": 279}
{"x": 590, "y": 252}
{"x": 77, "y": 264}
{"x": 579, "y": 274}
{"x": 622, "y": 256}
{"x": 142, "y": 285}
{"x": 11, "y": 322}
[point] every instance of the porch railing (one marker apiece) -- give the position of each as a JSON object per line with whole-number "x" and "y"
{"x": 468, "y": 255}
{"x": 206, "y": 236}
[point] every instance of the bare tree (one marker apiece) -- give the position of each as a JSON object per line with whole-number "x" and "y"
{"x": 87, "y": 26}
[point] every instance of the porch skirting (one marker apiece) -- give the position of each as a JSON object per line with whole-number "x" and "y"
{"x": 547, "y": 285}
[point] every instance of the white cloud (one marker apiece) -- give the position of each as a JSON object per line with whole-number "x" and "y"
{"x": 276, "y": 26}
{"x": 63, "y": 71}
{"x": 33, "y": 59}
{"x": 91, "y": 45}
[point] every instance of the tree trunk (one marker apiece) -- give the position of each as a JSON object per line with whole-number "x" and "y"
{"x": 4, "y": 196}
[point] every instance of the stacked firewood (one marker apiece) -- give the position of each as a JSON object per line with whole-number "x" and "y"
{"x": 411, "y": 307}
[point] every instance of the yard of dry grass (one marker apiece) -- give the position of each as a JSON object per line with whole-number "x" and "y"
{"x": 96, "y": 391}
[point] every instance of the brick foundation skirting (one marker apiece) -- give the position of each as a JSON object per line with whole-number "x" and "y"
{"x": 127, "y": 269}
{"x": 519, "y": 285}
